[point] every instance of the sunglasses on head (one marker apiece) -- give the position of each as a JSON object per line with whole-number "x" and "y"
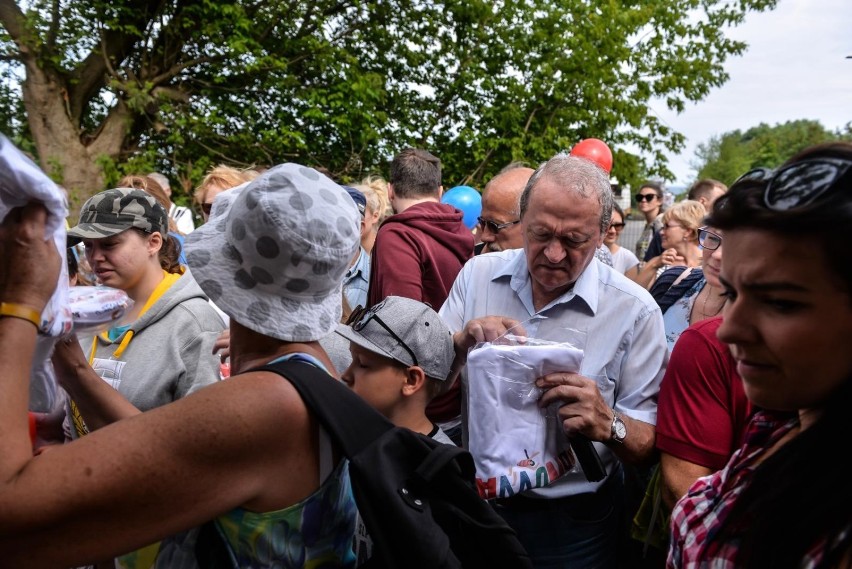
{"x": 645, "y": 197}
{"x": 797, "y": 185}
{"x": 493, "y": 226}
{"x": 709, "y": 240}
{"x": 361, "y": 316}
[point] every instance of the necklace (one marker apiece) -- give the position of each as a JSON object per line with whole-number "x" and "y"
{"x": 704, "y": 313}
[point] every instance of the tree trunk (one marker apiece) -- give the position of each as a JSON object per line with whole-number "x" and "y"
{"x": 62, "y": 154}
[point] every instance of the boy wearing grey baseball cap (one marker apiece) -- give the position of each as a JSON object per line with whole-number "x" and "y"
{"x": 402, "y": 353}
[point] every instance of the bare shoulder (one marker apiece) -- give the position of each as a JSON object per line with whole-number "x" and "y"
{"x": 256, "y": 401}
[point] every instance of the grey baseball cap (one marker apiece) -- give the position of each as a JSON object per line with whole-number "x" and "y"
{"x": 395, "y": 323}
{"x": 113, "y": 211}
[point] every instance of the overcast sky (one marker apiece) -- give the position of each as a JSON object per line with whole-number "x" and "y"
{"x": 794, "y": 68}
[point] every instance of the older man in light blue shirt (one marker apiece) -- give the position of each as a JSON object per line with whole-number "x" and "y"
{"x": 552, "y": 285}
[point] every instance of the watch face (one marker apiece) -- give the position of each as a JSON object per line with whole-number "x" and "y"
{"x": 619, "y": 431}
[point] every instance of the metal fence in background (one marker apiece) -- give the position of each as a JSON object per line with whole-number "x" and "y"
{"x": 631, "y": 233}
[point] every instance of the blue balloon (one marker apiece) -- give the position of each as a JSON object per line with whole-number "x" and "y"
{"x": 468, "y": 200}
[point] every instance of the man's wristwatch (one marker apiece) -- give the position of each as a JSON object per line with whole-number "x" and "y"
{"x": 618, "y": 429}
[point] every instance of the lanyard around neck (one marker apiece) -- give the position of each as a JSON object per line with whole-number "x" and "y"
{"x": 168, "y": 280}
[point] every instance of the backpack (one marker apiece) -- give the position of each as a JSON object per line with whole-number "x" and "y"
{"x": 417, "y": 496}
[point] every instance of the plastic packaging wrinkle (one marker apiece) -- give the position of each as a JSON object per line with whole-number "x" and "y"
{"x": 516, "y": 445}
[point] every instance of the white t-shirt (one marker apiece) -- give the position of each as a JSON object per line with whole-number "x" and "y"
{"x": 624, "y": 259}
{"x": 183, "y": 218}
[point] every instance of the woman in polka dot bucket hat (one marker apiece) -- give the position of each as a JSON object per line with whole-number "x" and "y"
{"x": 274, "y": 258}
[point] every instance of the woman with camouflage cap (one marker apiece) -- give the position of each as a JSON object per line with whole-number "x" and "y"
{"x": 162, "y": 350}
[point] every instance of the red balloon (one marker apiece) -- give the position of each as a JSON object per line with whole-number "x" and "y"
{"x": 595, "y": 150}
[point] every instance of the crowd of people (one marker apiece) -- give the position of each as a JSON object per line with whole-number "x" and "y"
{"x": 712, "y": 387}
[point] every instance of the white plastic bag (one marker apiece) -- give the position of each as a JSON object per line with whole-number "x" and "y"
{"x": 516, "y": 445}
{"x": 21, "y": 181}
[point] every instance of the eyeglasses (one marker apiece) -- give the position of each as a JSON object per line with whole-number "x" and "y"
{"x": 617, "y": 226}
{"x": 671, "y": 226}
{"x": 709, "y": 240}
{"x": 645, "y": 197}
{"x": 361, "y": 316}
{"x": 799, "y": 184}
{"x": 206, "y": 208}
{"x": 493, "y": 226}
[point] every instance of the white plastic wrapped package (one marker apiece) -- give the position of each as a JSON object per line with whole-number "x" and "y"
{"x": 21, "y": 181}
{"x": 516, "y": 445}
{"x": 96, "y": 309}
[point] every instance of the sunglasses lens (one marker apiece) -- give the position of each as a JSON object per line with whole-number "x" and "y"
{"x": 802, "y": 183}
{"x": 206, "y": 208}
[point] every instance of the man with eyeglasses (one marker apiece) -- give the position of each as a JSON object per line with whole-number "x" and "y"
{"x": 552, "y": 285}
{"x": 499, "y": 221}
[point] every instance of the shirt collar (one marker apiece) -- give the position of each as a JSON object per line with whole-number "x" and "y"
{"x": 586, "y": 287}
{"x": 360, "y": 266}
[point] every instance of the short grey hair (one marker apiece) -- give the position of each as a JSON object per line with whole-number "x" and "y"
{"x": 160, "y": 179}
{"x": 578, "y": 175}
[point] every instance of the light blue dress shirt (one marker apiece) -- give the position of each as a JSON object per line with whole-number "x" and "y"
{"x": 616, "y": 322}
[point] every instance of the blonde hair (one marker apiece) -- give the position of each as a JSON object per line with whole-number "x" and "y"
{"x": 225, "y": 176}
{"x": 375, "y": 189}
{"x": 689, "y": 213}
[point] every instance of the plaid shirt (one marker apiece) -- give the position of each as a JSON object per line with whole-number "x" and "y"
{"x": 698, "y": 516}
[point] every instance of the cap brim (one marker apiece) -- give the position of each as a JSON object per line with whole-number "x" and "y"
{"x": 92, "y": 231}
{"x": 350, "y": 334}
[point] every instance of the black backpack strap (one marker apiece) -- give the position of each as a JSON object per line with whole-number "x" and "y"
{"x": 437, "y": 460}
{"x": 351, "y": 421}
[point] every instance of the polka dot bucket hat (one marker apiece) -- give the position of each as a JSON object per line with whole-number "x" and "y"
{"x": 274, "y": 253}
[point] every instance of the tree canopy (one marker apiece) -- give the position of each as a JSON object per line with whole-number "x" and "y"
{"x": 97, "y": 88}
{"x": 730, "y": 155}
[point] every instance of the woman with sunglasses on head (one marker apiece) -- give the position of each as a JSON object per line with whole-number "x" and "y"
{"x": 623, "y": 258}
{"x": 782, "y": 500}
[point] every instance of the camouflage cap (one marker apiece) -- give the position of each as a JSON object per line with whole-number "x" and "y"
{"x": 113, "y": 211}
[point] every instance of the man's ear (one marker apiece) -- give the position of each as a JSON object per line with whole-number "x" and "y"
{"x": 415, "y": 379}
{"x": 390, "y": 192}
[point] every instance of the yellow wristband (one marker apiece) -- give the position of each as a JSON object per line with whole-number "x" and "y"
{"x": 20, "y": 311}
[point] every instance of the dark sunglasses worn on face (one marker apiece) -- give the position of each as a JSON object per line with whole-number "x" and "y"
{"x": 645, "y": 197}
{"x": 493, "y": 226}
{"x": 709, "y": 240}
{"x": 361, "y": 316}
{"x": 617, "y": 226}
{"x": 799, "y": 184}
{"x": 206, "y": 208}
